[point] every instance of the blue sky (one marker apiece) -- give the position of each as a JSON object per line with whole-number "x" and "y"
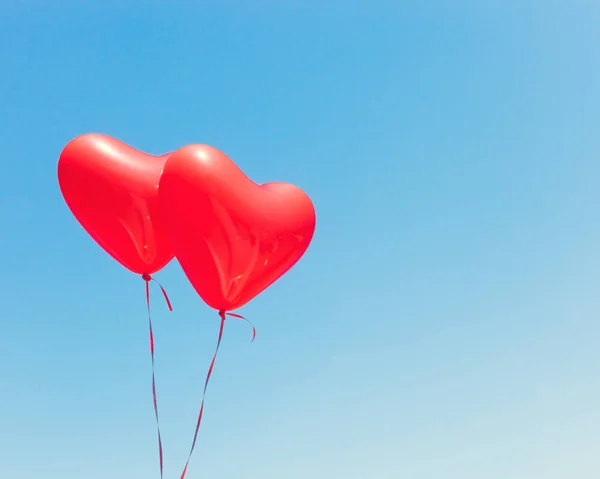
{"x": 443, "y": 324}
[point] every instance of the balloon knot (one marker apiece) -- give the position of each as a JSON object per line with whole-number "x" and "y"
{"x": 146, "y": 277}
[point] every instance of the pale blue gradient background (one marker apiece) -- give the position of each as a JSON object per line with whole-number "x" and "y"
{"x": 445, "y": 321}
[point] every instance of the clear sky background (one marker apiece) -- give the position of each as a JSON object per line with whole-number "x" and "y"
{"x": 443, "y": 324}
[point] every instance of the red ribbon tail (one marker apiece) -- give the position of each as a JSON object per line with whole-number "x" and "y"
{"x": 239, "y": 316}
{"x": 146, "y": 277}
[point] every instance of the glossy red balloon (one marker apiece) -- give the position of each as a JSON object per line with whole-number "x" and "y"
{"x": 232, "y": 237}
{"x": 112, "y": 190}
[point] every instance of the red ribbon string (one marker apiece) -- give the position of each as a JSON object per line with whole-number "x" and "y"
{"x": 147, "y": 278}
{"x": 223, "y": 315}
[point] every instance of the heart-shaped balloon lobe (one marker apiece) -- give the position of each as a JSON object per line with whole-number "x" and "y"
{"x": 112, "y": 190}
{"x": 232, "y": 237}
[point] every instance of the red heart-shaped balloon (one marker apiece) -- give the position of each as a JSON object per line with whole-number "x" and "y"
{"x": 232, "y": 237}
{"x": 112, "y": 190}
